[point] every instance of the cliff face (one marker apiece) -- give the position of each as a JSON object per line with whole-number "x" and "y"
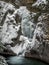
{"x": 24, "y": 27}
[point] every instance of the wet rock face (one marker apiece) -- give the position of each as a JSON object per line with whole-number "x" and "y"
{"x": 4, "y": 7}
{"x": 25, "y": 28}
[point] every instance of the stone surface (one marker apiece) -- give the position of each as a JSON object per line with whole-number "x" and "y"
{"x": 24, "y": 27}
{"x": 3, "y": 61}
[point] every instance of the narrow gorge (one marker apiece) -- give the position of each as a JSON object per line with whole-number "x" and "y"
{"x": 24, "y": 30}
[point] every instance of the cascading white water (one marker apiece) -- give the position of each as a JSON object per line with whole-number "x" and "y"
{"x": 26, "y": 26}
{"x": 26, "y": 44}
{"x": 28, "y": 29}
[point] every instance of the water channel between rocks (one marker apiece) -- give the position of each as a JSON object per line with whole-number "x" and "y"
{"x": 24, "y": 29}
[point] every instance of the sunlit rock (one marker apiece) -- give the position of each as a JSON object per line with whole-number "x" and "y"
{"x": 41, "y": 4}
{"x": 8, "y": 28}
{"x": 5, "y": 7}
{"x": 38, "y": 2}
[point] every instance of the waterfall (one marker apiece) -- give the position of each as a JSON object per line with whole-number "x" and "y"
{"x": 26, "y": 44}
{"x": 29, "y": 31}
